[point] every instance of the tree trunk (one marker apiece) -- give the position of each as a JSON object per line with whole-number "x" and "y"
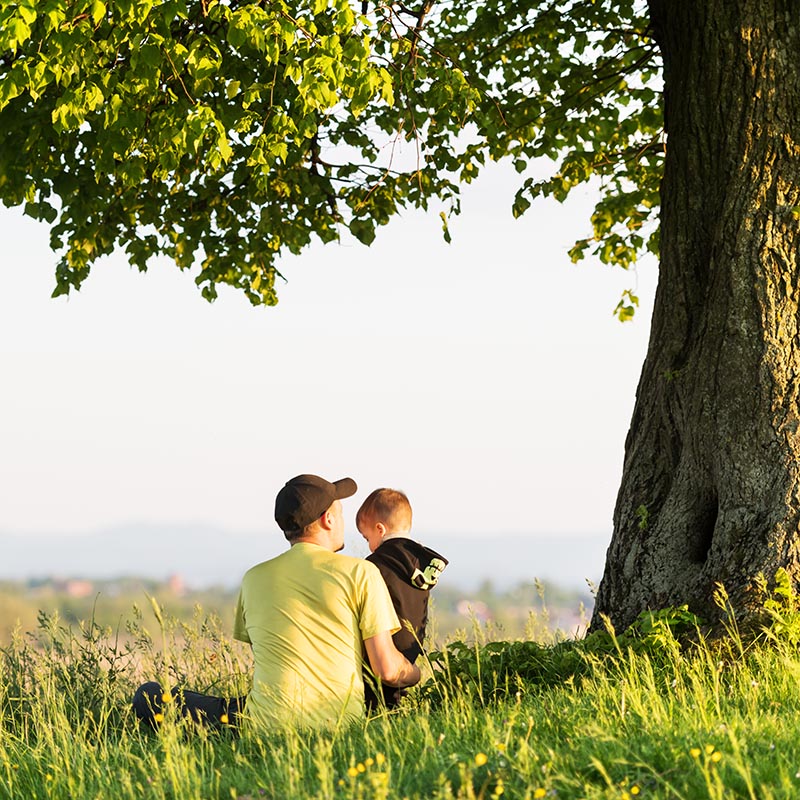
{"x": 711, "y": 488}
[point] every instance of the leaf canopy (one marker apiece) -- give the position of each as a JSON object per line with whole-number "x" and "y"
{"x": 225, "y": 133}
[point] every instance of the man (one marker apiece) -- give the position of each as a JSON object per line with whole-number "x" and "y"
{"x": 311, "y": 615}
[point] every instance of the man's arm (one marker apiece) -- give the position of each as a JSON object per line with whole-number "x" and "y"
{"x": 239, "y": 626}
{"x": 388, "y": 663}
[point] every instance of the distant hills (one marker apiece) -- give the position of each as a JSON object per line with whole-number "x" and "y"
{"x": 206, "y": 556}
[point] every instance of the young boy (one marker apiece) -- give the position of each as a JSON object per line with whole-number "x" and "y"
{"x": 409, "y": 569}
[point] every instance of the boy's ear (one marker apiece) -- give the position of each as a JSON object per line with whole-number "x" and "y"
{"x": 381, "y": 528}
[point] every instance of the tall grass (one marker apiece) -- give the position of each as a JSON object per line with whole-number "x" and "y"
{"x": 638, "y": 715}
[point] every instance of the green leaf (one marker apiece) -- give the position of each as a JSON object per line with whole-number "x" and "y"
{"x": 521, "y": 205}
{"x": 445, "y": 228}
{"x": 27, "y": 14}
{"x": 98, "y": 11}
{"x": 363, "y": 230}
{"x": 9, "y": 89}
{"x": 626, "y": 308}
{"x": 17, "y": 33}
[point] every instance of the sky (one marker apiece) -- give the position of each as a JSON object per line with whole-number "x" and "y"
{"x": 487, "y": 378}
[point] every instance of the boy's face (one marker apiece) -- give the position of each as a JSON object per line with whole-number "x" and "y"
{"x": 372, "y": 530}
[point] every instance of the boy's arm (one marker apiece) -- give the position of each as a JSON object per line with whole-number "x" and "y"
{"x": 388, "y": 663}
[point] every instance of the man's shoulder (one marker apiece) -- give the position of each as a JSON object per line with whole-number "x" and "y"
{"x": 266, "y": 566}
{"x": 352, "y": 564}
{"x": 357, "y": 573}
{"x": 318, "y": 556}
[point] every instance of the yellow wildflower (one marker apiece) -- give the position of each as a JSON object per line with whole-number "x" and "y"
{"x": 223, "y": 718}
{"x": 158, "y": 717}
{"x": 501, "y": 747}
{"x": 166, "y": 697}
{"x": 341, "y": 781}
{"x": 360, "y": 767}
{"x": 481, "y": 759}
{"x": 352, "y": 772}
{"x": 369, "y": 762}
{"x": 635, "y": 789}
{"x": 716, "y": 756}
{"x": 695, "y": 752}
{"x": 709, "y": 749}
{"x": 379, "y": 758}
{"x": 625, "y": 796}
{"x": 539, "y": 793}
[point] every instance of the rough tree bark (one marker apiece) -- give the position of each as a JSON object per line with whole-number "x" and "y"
{"x": 711, "y": 488}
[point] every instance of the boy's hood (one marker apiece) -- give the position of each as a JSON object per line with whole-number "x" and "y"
{"x": 417, "y": 565}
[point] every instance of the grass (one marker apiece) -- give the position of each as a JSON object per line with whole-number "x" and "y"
{"x": 639, "y": 715}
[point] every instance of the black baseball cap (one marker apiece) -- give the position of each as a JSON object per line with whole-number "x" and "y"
{"x": 306, "y": 497}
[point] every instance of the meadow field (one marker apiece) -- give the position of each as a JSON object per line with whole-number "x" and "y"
{"x": 528, "y": 609}
{"x": 660, "y": 711}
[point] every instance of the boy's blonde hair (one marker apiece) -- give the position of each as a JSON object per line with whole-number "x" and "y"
{"x": 389, "y": 506}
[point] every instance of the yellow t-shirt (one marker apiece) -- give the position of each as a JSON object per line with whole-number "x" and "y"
{"x": 306, "y": 614}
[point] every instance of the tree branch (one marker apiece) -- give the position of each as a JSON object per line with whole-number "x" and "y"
{"x": 417, "y": 32}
